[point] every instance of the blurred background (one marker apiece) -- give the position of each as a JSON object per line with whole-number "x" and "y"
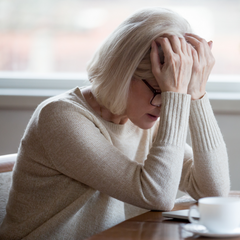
{"x": 45, "y": 46}
{"x": 49, "y": 36}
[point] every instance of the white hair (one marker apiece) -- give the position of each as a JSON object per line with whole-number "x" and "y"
{"x": 126, "y": 54}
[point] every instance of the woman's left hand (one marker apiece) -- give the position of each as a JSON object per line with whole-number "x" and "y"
{"x": 203, "y": 62}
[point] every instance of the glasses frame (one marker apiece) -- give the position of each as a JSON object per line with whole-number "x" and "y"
{"x": 154, "y": 91}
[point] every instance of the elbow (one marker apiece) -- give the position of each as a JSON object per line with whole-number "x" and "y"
{"x": 161, "y": 203}
{"x": 223, "y": 193}
{"x": 166, "y": 207}
{"x": 221, "y": 190}
{"x": 213, "y": 189}
{"x": 216, "y": 192}
{"x": 157, "y": 197}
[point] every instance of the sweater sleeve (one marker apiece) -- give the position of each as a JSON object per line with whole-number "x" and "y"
{"x": 78, "y": 149}
{"x": 205, "y": 171}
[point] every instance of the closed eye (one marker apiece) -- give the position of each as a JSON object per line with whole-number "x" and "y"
{"x": 157, "y": 88}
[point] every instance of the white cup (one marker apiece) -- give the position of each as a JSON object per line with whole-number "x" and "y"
{"x": 217, "y": 214}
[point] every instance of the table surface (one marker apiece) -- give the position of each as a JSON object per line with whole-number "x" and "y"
{"x": 152, "y": 225}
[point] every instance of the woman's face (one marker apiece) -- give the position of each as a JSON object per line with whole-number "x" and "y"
{"x": 139, "y": 110}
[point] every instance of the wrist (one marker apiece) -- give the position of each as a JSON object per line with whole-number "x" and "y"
{"x": 197, "y": 96}
{"x": 176, "y": 90}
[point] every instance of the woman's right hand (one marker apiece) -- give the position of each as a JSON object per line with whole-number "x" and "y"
{"x": 175, "y": 73}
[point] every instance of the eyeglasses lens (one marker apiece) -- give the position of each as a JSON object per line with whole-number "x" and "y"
{"x": 156, "y": 100}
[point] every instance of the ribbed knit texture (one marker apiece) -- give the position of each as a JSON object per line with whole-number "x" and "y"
{"x": 77, "y": 174}
{"x": 206, "y": 135}
{"x": 174, "y": 118}
{"x": 209, "y": 153}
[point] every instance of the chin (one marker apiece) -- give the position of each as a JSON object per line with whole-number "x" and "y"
{"x": 145, "y": 125}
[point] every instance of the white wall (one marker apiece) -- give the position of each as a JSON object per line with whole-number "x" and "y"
{"x": 12, "y": 125}
{"x": 230, "y": 127}
{"x": 13, "y": 122}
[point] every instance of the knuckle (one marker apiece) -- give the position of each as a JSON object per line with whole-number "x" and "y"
{"x": 155, "y": 70}
{"x": 212, "y": 61}
{"x": 173, "y": 37}
{"x": 164, "y": 40}
{"x": 182, "y": 40}
{"x": 176, "y": 59}
{"x": 194, "y": 53}
{"x": 172, "y": 60}
{"x": 202, "y": 66}
{"x": 186, "y": 58}
{"x": 197, "y": 68}
{"x": 199, "y": 45}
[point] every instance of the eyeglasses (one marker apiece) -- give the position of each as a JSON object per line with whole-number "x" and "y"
{"x": 156, "y": 99}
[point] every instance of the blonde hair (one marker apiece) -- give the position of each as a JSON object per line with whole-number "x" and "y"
{"x": 126, "y": 54}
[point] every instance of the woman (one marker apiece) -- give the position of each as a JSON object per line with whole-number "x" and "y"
{"x": 95, "y": 156}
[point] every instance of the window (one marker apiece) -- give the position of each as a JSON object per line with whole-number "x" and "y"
{"x": 45, "y": 37}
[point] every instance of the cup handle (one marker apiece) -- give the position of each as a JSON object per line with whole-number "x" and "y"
{"x": 190, "y": 218}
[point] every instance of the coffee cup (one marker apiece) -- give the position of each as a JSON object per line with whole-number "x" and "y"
{"x": 217, "y": 214}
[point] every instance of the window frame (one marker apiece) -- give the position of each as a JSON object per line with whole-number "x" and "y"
{"x": 25, "y": 80}
{"x": 20, "y": 90}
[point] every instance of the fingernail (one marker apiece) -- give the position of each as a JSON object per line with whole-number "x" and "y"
{"x": 211, "y": 44}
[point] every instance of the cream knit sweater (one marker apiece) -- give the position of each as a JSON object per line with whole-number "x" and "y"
{"x": 77, "y": 174}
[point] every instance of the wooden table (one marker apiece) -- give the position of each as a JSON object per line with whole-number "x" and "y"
{"x": 153, "y": 226}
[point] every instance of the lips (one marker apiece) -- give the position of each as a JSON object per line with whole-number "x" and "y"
{"x": 152, "y": 117}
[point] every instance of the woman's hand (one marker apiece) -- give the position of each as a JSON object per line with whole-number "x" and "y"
{"x": 203, "y": 62}
{"x": 175, "y": 73}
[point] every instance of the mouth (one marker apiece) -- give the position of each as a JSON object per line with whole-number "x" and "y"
{"x": 152, "y": 117}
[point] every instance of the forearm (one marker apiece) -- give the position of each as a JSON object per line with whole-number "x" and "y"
{"x": 82, "y": 150}
{"x": 165, "y": 160}
{"x": 209, "y": 174}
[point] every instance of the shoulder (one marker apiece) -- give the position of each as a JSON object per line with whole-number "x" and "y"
{"x": 62, "y": 111}
{"x": 63, "y": 105}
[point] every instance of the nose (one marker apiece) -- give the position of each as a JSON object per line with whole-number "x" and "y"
{"x": 157, "y": 101}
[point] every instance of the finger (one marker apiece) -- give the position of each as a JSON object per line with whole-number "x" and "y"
{"x": 183, "y": 45}
{"x": 166, "y": 47}
{"x": 193, "y": 35}
{"x": 175, "y": 44}
{"x": 154, "y": 57}
{"x": 197, "y": 44}
{"x": 194, "y": 55}
{"x": 192, "y": 40}
{"x": 189, "y": 48}
{"x": 210, "y": 43}
{"x": 201, "y": 45}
